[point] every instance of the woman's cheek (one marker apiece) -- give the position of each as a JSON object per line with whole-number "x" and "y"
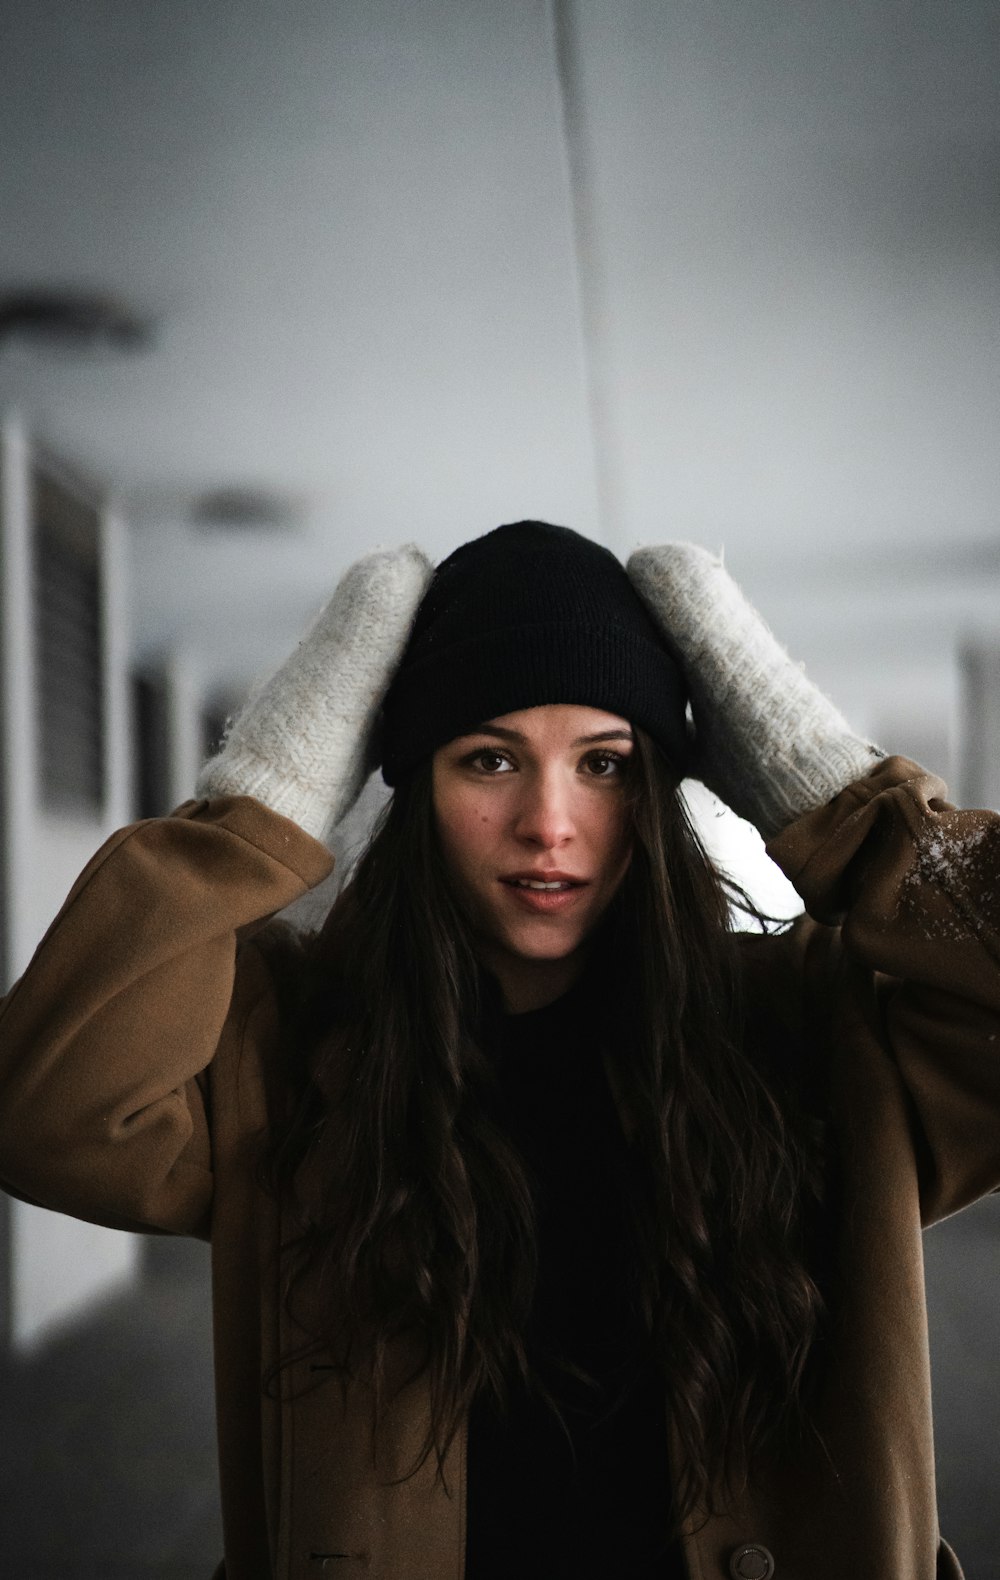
{"x": 467, "y": 830}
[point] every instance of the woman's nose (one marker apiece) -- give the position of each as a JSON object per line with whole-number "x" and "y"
{"x": 545, "y": 811}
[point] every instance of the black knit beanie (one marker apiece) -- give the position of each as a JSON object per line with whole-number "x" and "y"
{"x": 529, "y": 614}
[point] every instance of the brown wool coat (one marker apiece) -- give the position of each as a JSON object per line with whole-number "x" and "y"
{"x": 140, "y": 1054}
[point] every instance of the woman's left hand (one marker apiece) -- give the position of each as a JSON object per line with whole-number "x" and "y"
{"x": 305, "y": 742}
{"x": 765, "y": 738}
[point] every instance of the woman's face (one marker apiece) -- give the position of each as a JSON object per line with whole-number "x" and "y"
{"x": 532, "y": 814}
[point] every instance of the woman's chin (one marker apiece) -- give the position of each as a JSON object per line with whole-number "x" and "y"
{"x": 533, "y": 971}
{"x": 542, "y": 946}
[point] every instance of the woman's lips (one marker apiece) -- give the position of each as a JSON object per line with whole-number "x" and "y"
{"x": 544, "y": 893}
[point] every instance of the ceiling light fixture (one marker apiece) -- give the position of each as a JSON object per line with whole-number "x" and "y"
{"x": 245, "y": 509}
{"x": 87, "y": 321}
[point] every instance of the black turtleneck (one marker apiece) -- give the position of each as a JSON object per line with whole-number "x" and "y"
{"x": 591, "y": 1497}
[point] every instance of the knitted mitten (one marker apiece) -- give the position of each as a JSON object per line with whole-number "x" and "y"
{"x": 765, "y": 739}
{"x": 304, "y": 742}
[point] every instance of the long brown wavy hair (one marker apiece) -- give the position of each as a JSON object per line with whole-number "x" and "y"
{"x": 418, "y": 1218}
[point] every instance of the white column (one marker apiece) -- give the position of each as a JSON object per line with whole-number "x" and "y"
{"x": 118, "y": 742}
{"x": 17, "y": 678}
{"x": 980, "y": 739}
{"x": 56, "y": 1267}
{"x": 185, "y": 704}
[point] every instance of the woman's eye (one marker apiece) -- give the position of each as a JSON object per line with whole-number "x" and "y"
{"x": 490, "y": 762}
{"x": 606, "y": 765}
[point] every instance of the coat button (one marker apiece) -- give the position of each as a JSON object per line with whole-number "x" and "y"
{"x": 751, "y": 1562}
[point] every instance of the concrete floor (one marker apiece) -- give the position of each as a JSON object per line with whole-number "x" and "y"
{"x": 107, "y": 1462}
{"x": 107, "y": 1453}
{"x": 962, "y": 1258}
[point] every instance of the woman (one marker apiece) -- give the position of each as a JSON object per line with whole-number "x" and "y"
{"x": 556, "y": 1231}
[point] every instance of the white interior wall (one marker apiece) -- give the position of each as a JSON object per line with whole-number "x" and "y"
{"x": 57, "y": 1266}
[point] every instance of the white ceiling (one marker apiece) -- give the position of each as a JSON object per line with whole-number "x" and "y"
{"x": 677, "y": 268}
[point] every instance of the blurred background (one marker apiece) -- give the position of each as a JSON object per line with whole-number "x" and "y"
{"x": 284, "y": 280}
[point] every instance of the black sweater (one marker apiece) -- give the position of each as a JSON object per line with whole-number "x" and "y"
{"x": 592, "y": 1497}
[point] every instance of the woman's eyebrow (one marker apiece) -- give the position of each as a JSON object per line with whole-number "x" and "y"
{"x": 493, "y": 729}
{"x": 604, "y": 735}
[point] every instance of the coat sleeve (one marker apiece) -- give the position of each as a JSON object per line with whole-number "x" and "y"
{"x": 105, "y": 1038}
{"x": 911, "y": 886}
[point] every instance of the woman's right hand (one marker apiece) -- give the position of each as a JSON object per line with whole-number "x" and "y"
{"x": 766, "y": 740}
{"x": 303, "y": 744}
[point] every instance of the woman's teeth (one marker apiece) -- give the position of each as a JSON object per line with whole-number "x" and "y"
{"x": 528, "y": 883}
